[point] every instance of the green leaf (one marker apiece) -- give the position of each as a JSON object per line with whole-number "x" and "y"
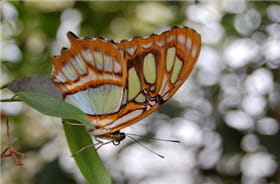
{"x": 88, "y": 160}
{"x": 53, "y": 107}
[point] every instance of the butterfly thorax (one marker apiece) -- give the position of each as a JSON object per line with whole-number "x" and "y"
{"x": 115, "y": 137}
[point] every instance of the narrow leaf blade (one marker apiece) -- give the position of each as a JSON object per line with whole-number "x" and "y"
{"x": 88, "y": 160}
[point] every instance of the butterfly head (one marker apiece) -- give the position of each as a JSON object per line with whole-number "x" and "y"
{"x": 117, "y": 137}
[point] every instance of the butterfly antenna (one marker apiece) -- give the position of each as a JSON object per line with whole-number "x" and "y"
{"x": 159, "y": 155}
{"x": 154, "y": 138}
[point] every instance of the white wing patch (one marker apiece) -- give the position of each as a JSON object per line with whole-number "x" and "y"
{"x": 131, "y": 50}
{"x": 105, "y": 99}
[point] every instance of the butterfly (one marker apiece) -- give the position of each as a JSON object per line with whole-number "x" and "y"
{"x": 117, "y": 84}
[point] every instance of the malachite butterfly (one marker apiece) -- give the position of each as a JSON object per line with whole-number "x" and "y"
{"x": 118, "y": 84}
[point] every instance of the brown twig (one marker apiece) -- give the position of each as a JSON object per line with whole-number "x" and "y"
{"x": 9, "y": 151}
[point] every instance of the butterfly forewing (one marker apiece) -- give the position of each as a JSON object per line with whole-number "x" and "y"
{"x": 118, "y": 84}
{"x": 157, "y": 66}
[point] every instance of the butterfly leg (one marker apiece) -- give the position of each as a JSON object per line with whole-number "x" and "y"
{"x": 82, "y": 149}
{"x": 99, "y": 143}
{"x": 73, "y": 124}
{"x": 102, "y": 144}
